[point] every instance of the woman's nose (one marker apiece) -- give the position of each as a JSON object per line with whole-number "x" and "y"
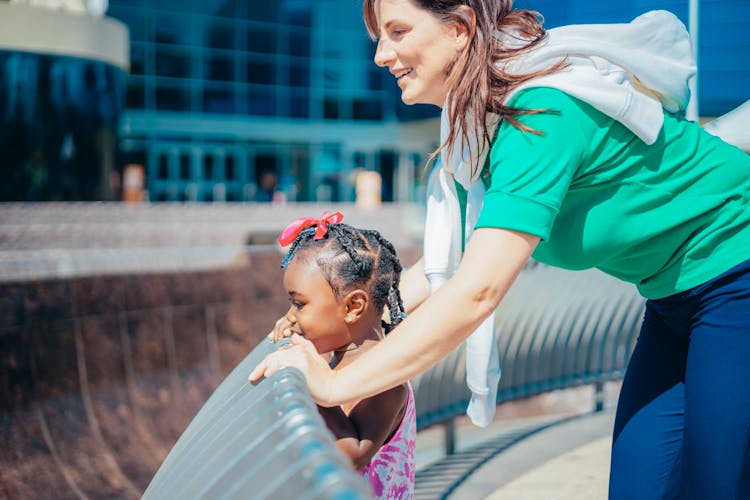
{"x": 384, "y": 54}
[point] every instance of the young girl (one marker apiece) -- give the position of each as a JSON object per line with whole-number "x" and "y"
{"x": 339, "y": 280}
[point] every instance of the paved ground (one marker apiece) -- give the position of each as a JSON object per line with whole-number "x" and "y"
{"x": 579, "y": 474}
{"x": 567, "y": 458}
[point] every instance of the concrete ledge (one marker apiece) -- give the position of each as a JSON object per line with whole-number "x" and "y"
{"x": 63, "y": 240}
{"x": 28, "y": 265}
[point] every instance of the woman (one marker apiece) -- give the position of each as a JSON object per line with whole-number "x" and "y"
{"x": 572, "y": 142}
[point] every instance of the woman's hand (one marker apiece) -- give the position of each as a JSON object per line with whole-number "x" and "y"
{"x": 301, "y": 354}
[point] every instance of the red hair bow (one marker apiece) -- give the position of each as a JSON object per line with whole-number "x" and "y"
{"x": 293, "y": 230}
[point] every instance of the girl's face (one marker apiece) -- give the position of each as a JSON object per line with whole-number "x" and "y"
{"x": 315, "y": 311}
{"x": 417, "y": 48}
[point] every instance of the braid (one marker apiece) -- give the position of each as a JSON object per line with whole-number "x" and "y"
{"x": 390, "y": 276}
{"x": 349, "y": 242}
{"x": 395, "y": 308}
{"x": 303, "y": 236}
{"x": 349, "y": 258}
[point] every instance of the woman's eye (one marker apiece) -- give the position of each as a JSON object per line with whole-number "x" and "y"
{"x": 398, "y": 32}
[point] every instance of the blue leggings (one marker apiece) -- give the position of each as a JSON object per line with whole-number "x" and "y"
{"x": 682, "y": 428}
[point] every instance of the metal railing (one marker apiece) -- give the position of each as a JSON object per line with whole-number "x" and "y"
{"x": 263, "y": 441}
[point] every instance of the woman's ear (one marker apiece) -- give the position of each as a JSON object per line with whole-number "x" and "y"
{"x": 356, "y": 303}
{"x": 466, "y": 27}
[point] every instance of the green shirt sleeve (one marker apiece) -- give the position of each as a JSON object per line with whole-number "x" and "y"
{"x": 531, "y": 173}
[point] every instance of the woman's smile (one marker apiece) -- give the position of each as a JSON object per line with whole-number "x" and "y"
{"x": 402, "y": 80}
{"x": 400, "y": 74}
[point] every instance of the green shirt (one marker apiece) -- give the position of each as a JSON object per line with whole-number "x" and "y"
{"x": 666, "y": 217}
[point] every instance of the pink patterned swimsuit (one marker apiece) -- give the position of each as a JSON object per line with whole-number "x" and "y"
{"x": 391, "y": 471}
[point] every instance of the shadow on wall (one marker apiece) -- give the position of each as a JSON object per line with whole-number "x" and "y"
{"x": 100, "y": 375}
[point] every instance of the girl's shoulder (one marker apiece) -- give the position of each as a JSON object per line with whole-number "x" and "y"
{"x": 397, "y": 397}
{"x": 392, "y": 402}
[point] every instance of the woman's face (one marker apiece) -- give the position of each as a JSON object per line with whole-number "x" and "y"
{"x": 315, "y": 311}
{"x": 417, "y": 48}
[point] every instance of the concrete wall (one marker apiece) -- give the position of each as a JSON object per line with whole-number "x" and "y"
{"x": 100, "y": 375}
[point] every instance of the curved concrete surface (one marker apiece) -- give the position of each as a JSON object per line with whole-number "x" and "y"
{"x": 548, "y": 455}
{"x": 99, "y": 376}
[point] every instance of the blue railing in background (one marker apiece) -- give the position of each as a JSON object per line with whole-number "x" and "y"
{"x": 556, "y": 329}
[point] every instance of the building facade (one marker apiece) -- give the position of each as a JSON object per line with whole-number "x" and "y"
{"x": 228, "y": 98}
{"x": 62, "y": 85}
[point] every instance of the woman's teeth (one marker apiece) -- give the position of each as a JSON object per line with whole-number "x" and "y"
{"x": 403, "y": 73}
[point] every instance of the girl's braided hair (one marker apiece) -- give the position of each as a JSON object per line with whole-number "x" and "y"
{"x": 352, "y": 258}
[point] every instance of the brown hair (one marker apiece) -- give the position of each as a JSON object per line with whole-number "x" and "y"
{"x": 478, "y": 83}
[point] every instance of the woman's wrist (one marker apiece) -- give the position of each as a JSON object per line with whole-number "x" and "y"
{"x": 331, "y": 391}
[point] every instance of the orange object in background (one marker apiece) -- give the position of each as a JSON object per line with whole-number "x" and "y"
{"x": 368, "y": 185}
{"x": 133, "y": 183}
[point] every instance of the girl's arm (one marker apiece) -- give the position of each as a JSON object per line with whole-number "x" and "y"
{"x": 491, "y": 263}
{"x": 368, "y": 426}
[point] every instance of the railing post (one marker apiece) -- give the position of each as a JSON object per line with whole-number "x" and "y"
{"x": 599, "y": 396}
{"x": 450, "y": 436}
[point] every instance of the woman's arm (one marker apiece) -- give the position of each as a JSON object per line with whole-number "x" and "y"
{"x": 491, "y": 263}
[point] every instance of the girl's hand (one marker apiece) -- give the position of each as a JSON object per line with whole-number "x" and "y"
{"x": 281, "y": 330}
{"x": 300, "y": 354}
